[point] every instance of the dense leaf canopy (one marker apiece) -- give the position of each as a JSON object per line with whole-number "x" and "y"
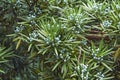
{"x": 59, "y": 40}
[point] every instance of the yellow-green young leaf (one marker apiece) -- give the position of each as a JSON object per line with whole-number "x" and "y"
{"x": 3, "y": 61}
{"x": 53, "y": 20}
{"x": 34, "y": 54}
{"x": 16, "y": 39}
{"x": 29, "y": 47}
{"x": 109, "y": 78}
{"x": 1, "y": 71}
{"x": 18, "y": 44}
{"x": 64, "y": 70}
{"x": 13, "y": 1}
{"x": 117, "y": 54}
{"x": 56, "y": 51}
{"x": 56, "y": 66}
{"x": 36, "y": 71}
{"x": 106, "y": 66}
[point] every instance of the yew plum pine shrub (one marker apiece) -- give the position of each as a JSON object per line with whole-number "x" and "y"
{"x": 59, "y": 39}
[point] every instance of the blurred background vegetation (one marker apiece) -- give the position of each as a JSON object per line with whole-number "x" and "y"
{"x": 59, "y": 40}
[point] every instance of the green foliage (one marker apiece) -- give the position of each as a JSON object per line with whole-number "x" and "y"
{"x": 59, "y": 40}
{"x": 6, "y": 56}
